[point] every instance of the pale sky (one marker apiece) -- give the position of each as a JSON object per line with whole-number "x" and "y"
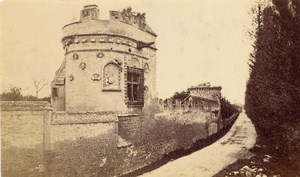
{"x": 198, "y": 41}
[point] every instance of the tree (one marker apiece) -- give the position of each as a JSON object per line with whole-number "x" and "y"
{"x": 39, "y": 84}
{"x": 14, "y": 94}
{"x": 273, "y": 89}
{"x": 227, "y": 109}
{"x": 180, "y": 96}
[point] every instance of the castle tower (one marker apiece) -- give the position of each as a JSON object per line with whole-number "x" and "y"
{"x": 109, "y": 65}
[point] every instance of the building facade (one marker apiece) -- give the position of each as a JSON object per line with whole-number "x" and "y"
{"x": 109, "y": 65}
{"x": 203, "y": 97}
{"x": 206, "y": 91}
{"x": 206, "y": 97}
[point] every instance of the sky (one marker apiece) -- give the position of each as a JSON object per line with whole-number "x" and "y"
{"x": 198, "y": 41}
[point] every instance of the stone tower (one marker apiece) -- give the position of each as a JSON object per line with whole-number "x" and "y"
{"x": 109, "y": 65}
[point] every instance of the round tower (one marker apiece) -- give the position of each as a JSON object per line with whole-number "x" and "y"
{"x": 109, "y": 65}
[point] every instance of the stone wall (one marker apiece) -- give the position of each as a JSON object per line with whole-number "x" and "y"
{"x": 25, "y": 137}
{"x": 109, "y": 144}
{"x": 82, "y": 144}
{"x": 151, "y": 138}
{"x": 37, "y": 141}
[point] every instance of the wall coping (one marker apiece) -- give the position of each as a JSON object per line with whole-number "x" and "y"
{"x": 63, "y": 118}
{"x": 24, "y": 105}
{"x": 128, "y": 115}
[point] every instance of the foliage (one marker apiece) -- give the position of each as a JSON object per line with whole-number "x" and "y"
{"x": 273, "y": 89}
{"x": 14, "y": 94}
{"x": 227, "y": 109}
{"x": 180, "y": 96}
{"x": 38, "y": 84}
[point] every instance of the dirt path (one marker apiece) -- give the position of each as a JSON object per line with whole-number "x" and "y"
{"x": 208, "y": 161}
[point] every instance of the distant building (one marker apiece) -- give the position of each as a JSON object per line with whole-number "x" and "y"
{"x": 109, "y": 65}
{"x": 205, "y": 96}
{"x": 206, "y": 91}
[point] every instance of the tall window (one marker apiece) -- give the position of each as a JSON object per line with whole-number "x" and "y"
{"x": 135, "y": 86}
{"x": 54, "y": 92}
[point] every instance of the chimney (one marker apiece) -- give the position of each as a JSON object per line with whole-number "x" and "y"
{"x": 89, "y": 12}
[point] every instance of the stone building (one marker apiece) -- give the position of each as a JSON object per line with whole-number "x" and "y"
{"x": 109, "y": 65}
{"x": 204, "y": 96}
{"x": 206, "y": 91}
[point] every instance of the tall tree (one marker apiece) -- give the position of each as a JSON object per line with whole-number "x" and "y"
{"x": 39, "y": 84}
{"x": 273, "y": 89}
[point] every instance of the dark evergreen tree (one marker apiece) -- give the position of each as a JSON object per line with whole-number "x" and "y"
{"x": 227, "y": 109}
{"x": 273, "y": 89}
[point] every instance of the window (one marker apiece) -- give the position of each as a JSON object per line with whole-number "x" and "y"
{"x": 135, "y": 86}
{"x": 54, "y": 92}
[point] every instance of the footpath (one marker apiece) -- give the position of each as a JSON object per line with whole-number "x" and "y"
{"x": 212, "y": 159}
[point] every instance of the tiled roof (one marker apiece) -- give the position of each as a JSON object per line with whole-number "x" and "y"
{"x": 60, "y": 75}
{"x": 197, "y": 98}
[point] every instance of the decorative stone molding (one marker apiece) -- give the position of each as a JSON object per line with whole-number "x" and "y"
{"x": 129, "y": 17}
{"x": 146, "y": 68}
{"x": 117, "y": 40}
{"x": 146, "y": 88}
{"x": 118, "y": 62}
{"x": 108, "y": 50}
{"x": 100, "y": 55}
{"x": 89, "y": 12}
{"x": 102, "y": 39}
{"x": 109, "y": 39}
{"x": 96, "y": 77}
{"x": 67, "y": 41}
{"x": 71, "y": 77}
{"x": 82, "y": 66}
{"x": 111, "y": 77}
{"x": 124, "y": 41}
{"x": 93, "y": 40}
{"x": 84, "y": 40}
{"x": 134, "y": 62}
{"x": 75, "y": 56}
{"x": 125, "y": 79}
{"x": 114, "y": 14}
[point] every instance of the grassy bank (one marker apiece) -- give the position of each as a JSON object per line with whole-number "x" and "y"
{"x": 265, "y": 160}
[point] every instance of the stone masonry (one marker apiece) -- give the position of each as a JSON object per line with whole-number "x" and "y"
{"x": 109, "y": 65}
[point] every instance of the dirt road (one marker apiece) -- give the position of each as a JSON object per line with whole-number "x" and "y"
{"x": 211, "y": 159}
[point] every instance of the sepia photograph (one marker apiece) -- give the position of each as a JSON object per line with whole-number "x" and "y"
{"x": 149, "y": 88}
